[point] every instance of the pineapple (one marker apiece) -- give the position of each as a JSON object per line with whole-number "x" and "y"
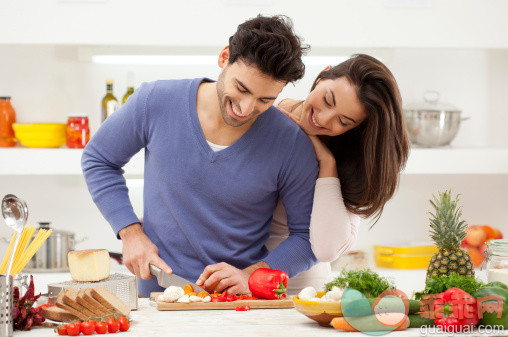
{"x": 448, "y": 231}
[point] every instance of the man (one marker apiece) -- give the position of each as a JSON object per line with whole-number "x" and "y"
{"x": 207, "y": 213}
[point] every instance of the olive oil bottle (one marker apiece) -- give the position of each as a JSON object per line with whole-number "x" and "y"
{"x": 109, "y": 101}
{"x": 130, "y": 87}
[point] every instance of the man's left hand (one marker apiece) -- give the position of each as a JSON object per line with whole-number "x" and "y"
{"x": 222, "y": 276}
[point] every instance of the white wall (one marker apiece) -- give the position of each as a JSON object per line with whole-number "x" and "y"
{"x": 323, "y": 23}
{"x": 48, "y": 82}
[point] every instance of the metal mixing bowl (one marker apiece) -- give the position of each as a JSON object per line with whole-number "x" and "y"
{"x": 432, "y": 124}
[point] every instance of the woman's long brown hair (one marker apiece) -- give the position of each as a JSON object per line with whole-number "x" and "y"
{"x": 371, "y": 156}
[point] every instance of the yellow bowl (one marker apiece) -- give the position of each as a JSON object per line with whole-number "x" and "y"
{"x": 321, "y": 312}
{"x": 40, "y": 135}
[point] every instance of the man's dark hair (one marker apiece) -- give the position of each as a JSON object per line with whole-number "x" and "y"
{"x": 271, "y": 45}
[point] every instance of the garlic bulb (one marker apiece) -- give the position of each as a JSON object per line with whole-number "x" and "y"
{"x": 173, "y": 293}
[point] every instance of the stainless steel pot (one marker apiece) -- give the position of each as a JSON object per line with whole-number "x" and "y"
{"x": 432, "y": 123}
{"x": 52, "y": 255}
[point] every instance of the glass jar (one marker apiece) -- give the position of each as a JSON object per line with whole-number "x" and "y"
{"x": 78, "y": 132}
{"x": 7, "y": 118}
{"x": 496, "y": 259}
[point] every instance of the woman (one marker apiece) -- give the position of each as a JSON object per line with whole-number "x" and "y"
{"x": 354, "y": 117}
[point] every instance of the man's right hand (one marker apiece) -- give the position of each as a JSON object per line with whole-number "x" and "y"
{"x": 139, "y": 252}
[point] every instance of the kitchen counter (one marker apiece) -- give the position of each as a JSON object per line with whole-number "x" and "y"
{"x": 148, "y": 321}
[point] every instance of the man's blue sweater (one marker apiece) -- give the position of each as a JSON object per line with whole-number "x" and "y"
{"x": 203, "y": 207}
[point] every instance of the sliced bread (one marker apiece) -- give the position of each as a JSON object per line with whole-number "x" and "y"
{"x": 89, "y": 298}
{"x": 110, "y": 300}
{"x": 70, "y": 298}
{"x": 69, "y": 309}
{"x": 58, "y": 314}
{"x": 81, "y": 300}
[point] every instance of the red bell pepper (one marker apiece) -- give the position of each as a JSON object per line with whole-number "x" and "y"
{"x": 456, "y": 310}
{"x": 268, "y": 283}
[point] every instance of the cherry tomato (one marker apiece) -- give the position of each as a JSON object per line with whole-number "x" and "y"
{"x": 203, "y": 294}
{"x": 188, "y": 288}
{"x": 78, "y": 324}
{"x": 92, "y": 322}
{"x": 72, "y": 329}
{"x": 113, "y": 326}
{"x": 101, "y": 328}
{"x": 62, "y": 330}
{"x": 124, "y": 323}
{"x": 243, "y": 308}
{"x": 87, "y": 328}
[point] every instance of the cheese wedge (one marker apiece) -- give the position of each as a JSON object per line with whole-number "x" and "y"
{"x": 89, "y": 265}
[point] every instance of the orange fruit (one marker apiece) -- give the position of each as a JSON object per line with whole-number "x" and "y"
{"x": 476, "y": 256}
{"x": 491, "y": 232}
{"x": 498, "y": 234}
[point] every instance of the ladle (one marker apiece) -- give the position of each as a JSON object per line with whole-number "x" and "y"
{"x": 15, "y": 213}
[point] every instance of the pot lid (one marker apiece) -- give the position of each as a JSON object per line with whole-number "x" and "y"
{"x": 47, "y": 225}
{"x": 431, "y": 103}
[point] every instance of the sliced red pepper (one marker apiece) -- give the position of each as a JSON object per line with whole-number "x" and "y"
{"x": 268, "y": 283}
{"x": 247, "y": 298}
{"x": 220, "y": 297}
{"x": 243, "y": 308}
{"x": 231, "y": 298}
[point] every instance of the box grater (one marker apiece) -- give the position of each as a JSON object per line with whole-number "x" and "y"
{"x": 123, "y": 286}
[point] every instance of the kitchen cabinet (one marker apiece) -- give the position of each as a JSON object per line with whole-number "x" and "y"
{"x": 328, "y": 23}
{"x": 63, "y": 161}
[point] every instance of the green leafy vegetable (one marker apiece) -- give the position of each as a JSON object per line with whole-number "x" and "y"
{"x": 436, "y": 285}
{"x": 365, "y": 281}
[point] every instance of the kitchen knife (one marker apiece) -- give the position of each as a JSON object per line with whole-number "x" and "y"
{"x": 165, "y": 280}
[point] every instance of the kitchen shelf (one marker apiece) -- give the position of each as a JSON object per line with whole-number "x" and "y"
{"x": 63, "y": 161}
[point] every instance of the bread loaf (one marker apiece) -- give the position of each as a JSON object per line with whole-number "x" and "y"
{"x": 58, "y": 314}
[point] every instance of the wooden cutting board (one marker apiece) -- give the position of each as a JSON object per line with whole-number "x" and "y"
{"x": 254, "y": 304}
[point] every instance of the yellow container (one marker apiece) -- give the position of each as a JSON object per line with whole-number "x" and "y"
{"x": 40, "y": 135}
{"x": 404, "y": 256}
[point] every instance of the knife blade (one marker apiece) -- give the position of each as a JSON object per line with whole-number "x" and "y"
{"x": 165, "y": 280}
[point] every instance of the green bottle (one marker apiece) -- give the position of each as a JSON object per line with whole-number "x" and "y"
{"x": 130, "y": 87}
{"x": 109, "y": 102}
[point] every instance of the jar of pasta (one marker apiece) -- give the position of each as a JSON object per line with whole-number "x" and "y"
{"x": 496, "y": 259}
{"x": 78, "y": 131}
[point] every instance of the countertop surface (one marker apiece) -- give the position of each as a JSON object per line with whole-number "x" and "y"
{"x": 148, "y": 321}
